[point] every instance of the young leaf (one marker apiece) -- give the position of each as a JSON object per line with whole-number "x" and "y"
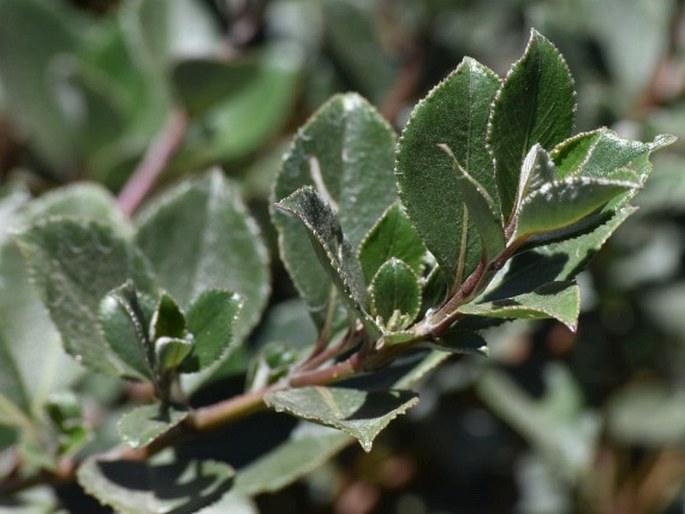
{"x": 142, "y": 425}
{"x": 334, "y": 251}
{"x": 162, "y": 484}
{"x": 561, "y": 203}
{"x": 170, "y": 352}
{"x": 346, "y": 151}
{"x": 480, "y": 208}
{"x": 536, "y": 104}
{"x": 558, "y": 300}
{"x": 600, "y": 153}
{"x": 168, "y": 319}
{"x": 395, "y": 295}
{"x": 211, "y": 321}
{"x": 74, "y": 264}
{"x": 392, "y": 236}
{"x": 537, "y": 170}
{"x": 455, "y": 113}
{"x": 362, "y": 414}
{"x": 124, "y": 320}
{"x": 199, "y": 236}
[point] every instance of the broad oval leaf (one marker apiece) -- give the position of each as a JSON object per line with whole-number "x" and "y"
{"x": 142, "y": 425}
{"x": 558, "y": 300}
{"x": 346, "y": 152}
{"x": 362, "y": 414}
{"x": 395, "y": 295}
{"x": 392, "y": 236}
{"x": 162, "y": 485}
{"x": 561, "y": 203}
{"x": 199, "y": 236}
{"x": 74, "y": 264}
{"x": 536, "y": 104}
{"x": 211, "y": 320}
{"x": 455, "y": 113}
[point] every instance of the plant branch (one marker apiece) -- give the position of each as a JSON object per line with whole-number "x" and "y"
{"x": 154, "y": 162}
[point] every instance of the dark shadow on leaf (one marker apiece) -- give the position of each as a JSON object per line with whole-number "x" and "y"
{"x": 187, "y": 483}
{"x": 380, "y": 403}
{"x": 527, "y": 272}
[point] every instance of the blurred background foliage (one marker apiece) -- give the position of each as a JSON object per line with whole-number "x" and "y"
{"x": 552, "y": 422}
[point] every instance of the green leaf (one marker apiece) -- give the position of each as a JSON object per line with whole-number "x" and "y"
{"x": 362, "y": 414}
{"x": 124, "y": 318}
{"x": 170, "y": 352}
{"x": 168, "y": 319}
{"x": 142, "y": 425}
{"x": 308, "y": 447}
{"x": 558, "y": 300}
{"x": 536, "y": 104}
{"x": 74, "y": 264}
{"x": 164, "y": 484}
{"x": 561, "y": 203}
{"x": 395, "y": 295}
{"x": 243, "y": 122}
{"x": 480, "y": 207}
{"x": 201, "y": 83}
{"x": 346, "y": 151}
{"x": 459, "y": 341}
{"x": 556, "y": 261}
{"x": 81, "y": 200}
{"x": 601, "y": 153}
{"x": 273, "y": 361}
{"x": 455, "y": 113}
{"x": 199, "y": 236}
{"x": 212, "y": 318}
{"x": 331, "y": 245}
{"x": 392, "y": 236}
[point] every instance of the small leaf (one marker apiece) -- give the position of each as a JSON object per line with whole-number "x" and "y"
{"x": 395, "y": 295}
{"x": 334, "y": 251}
{"x": 392, "y": 236}
{"x": 211, "y": 321}
{"x": 455, "y": 113}
{"x": 346, "y": 151}
{"x": 558, "y": 300}
{"x": 142, "y": 425}
{"x": 480, "y": 208}
{"x": 536, "y": 104}
{"x": 164, "y": 484}
{"x": 199, "y": 236}
{"x": 74, "y": 264}
{"x": 273, "y": 361}
{"x": 362, "y": 414}
{"x": 124, "y": 320}
{"x": 168, "y": 319}
{"x": 561, "y": 203}
{"x": 170, "y": 352}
